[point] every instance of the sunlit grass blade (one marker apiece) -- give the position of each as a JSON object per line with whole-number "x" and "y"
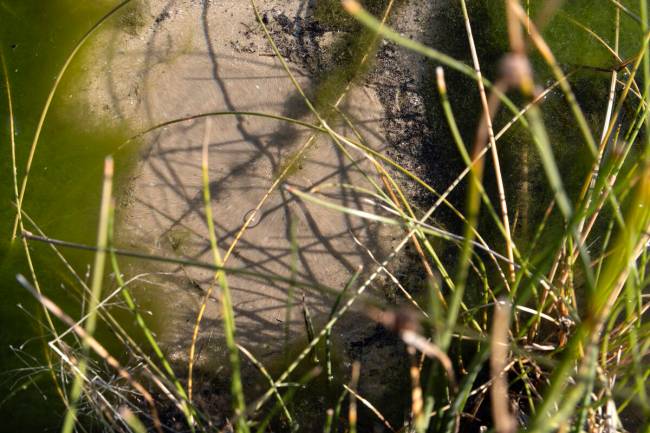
{"x": 187, "y": 409}
{"x": 236, "y": 387}
{"x": 96, "y": 289}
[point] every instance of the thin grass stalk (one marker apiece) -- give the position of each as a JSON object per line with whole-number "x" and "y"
{"x": 633, "y": 305}
{"x": 469, "y": 163}
{"x": 46, "y": 108}
{"x": 417, "y": 404}
{"x": 541, "y": 300}
{"x": 626, "y": 11}
{"x": 402, "y": 202}
{"x": 292, "y": 287}
{"x": 646, "y": 76}
{"x": 379, "y": 191}
{"x": 418, "y": 236}
{"x": 329, "y": 417}
{"x": 288, "y": 397}
{"x": 95, "y": 294}
{"x": 218, "y": 114}
{"x": 14, "y": 170}
{"x": 186, "y": 408}
{"x": 184, "y": 262}
{"x": 328, "y": 334}
{"x": 608, "y": 116}
{"x": 12, "y": 129}
{"x": 370, "y": 406}
{"x": 624, "y": 65}
{"x": 503, "y": 419}
{"x": 493, "y": 145}
{"x": 525, "y": 378}
{"x": 337, "y": 409}
{"x": 267, "y": 376}
{"x": 12, "y": 141}
{"x": 239, "y": 403}
{"x": 473, "y": 201}
{"x": 309, "y": 328}
{"x": 609, "y": 190}
{"x": 624, "y": 93}
{"x": 393, "y": 278}
{"x": 472, "y": 210}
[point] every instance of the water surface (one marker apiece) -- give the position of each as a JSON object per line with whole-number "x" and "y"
{"x": 62, "y": 195}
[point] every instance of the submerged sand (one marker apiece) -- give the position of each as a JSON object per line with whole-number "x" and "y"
{"x": 170, "y": 59}
{"x": 173, "y": 59}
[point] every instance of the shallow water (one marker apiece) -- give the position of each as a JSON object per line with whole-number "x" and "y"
{"x": 62, "y": 195}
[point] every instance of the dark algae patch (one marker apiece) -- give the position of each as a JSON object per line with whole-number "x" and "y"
{"x": 352, "y": 53}
{"x": 332, "y": 47}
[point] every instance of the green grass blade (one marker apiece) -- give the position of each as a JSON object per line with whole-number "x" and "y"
{"x": 96, "y": 289}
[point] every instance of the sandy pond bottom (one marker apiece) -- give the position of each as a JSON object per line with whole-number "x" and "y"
{"x": 175, "y": 59}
